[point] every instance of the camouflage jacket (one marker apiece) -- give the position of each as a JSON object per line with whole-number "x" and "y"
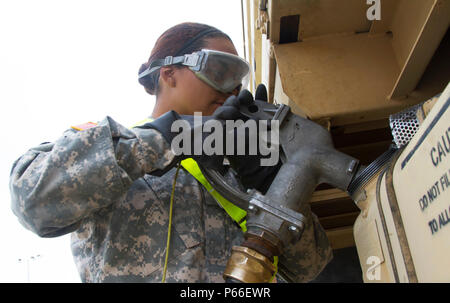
{"x": 94, "y": 184}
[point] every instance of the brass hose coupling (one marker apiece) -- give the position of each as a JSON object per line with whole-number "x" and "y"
{"x": 248, "y": 266}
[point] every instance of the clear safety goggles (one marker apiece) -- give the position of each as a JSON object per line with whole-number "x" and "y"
{"x": 223, "y": 71}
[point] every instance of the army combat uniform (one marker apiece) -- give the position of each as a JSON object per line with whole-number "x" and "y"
{"x": 94, "y": 184}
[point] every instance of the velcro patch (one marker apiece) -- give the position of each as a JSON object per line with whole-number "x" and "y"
{"x": 84, "y": 126}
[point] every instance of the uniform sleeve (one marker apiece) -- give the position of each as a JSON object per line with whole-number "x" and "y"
{"x": 56, "y": 185}
{"x": 304, "y": 260}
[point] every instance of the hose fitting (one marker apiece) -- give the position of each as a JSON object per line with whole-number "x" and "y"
{"x": 248, "y": 266}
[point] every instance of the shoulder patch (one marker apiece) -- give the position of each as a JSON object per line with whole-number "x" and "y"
{"x": 84, "y": 126}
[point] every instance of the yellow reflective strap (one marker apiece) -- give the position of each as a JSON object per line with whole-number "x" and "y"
{"x": 243, "y": 224}
{"x": 275, "y": 263}
{"x": 236, "y": 213}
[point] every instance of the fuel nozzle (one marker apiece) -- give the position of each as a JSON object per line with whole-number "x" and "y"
{"x": 274, "y": 220}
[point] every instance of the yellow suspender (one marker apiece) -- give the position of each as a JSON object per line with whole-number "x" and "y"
{"x": 236, "y": 213}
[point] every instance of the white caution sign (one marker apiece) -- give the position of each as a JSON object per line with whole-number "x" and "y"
{"x": 421, "y": 182}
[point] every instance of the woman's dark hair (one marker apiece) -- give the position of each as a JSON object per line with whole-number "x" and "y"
{"x": 178, "y": 40}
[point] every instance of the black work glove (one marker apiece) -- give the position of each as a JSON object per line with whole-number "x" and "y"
{"x": 248, "y": 167}
{"x": 228, "y": 111}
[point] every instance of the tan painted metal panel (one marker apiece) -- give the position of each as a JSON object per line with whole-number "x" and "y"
{"x": 407, "y": 23}
{"x": 388, "y": 9}
{"x": 279, "y": 97}
{"x": 422, "y": 45}
{"x": 392, "y": 233}
{"x": 370, "y": 239}
{"x": 319, "y": 17}
{"x": 341, "y": 237}
{"x": 346, "y": 77}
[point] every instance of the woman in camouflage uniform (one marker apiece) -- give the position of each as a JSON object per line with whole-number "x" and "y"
{"x": 97, "y": 185}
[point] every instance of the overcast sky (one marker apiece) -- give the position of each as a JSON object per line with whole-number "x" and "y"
{"x": 64, "y": 63}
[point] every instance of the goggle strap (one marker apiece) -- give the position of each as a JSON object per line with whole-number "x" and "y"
{"x": 195, "y": 38}
{"x": 188, "y": 60}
